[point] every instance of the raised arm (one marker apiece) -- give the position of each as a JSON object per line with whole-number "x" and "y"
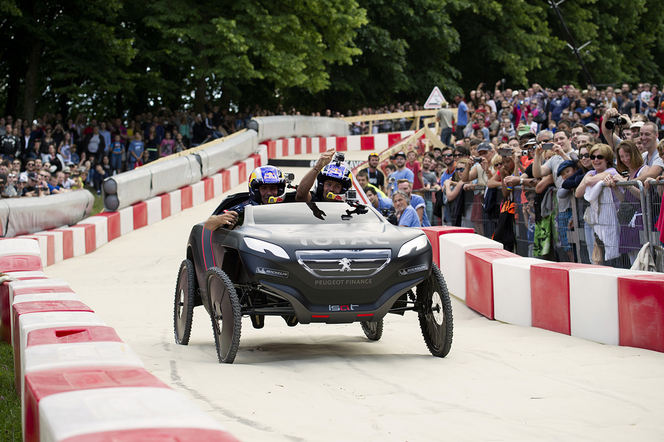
{"x": 309, "y": 179}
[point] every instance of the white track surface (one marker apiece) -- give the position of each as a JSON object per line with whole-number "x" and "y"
{"x": 328, "y": 382}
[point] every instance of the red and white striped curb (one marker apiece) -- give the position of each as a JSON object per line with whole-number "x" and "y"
{"x": 77, "y": 380}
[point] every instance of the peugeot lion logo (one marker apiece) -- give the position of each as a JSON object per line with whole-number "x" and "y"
{"x": 345, "y": 264}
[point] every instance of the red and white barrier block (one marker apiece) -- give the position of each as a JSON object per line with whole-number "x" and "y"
{"x": 480, "y": 279}
{"x": 593, "y": 301}
{"x": 434, "y": 233}
{"x": 28, "y": 316}
{"x": 549, "y": 289}
{"x": 125, "y": 414}
{"x": 41, "y": 384}
{"x": 5, "y": 302}
{"x": 20, "y": 255}
{"x": 31, "y": 286}
{"x": 453, "y": 247}
{"x": 641, "y": 311}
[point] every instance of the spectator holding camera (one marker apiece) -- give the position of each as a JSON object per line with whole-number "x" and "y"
{"x": 562, "y": 147}
{"x": 34, "y": 186}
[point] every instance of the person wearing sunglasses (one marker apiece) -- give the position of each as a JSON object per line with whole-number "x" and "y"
{"x": 603, "y": 208}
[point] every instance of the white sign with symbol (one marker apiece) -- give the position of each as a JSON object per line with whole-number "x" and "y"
{"x": 435, "y": 100}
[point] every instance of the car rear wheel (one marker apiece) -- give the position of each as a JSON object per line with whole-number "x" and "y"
{"x": 225, "y": 314}
{"x": 183, "y": 310}
{"x": 373, "y": 330}
{"x": 435, "y": 313}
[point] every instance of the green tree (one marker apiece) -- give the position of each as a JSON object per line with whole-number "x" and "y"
{"x": 64, "y": 49}
{"x": 218, "y": 46}
{"x": 407, "y": 49}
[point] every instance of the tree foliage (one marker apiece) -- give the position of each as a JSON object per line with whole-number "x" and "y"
{"x": 117, "y": 56}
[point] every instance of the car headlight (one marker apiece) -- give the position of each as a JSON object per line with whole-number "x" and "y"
{"x": 413, "y": 246}
{"x": 264, "y": 246}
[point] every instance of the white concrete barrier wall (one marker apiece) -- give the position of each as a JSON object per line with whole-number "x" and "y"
{"x": 30, "y": 215}
{"x": 224, "y": 155}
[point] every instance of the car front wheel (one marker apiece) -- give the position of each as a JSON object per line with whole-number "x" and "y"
{"x": 225, "y": 314}
{"x": 183, "y": 310}
{"x": 435, "y": 313}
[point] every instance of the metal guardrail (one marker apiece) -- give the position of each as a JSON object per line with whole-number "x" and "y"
{"x": 574, "y": 239}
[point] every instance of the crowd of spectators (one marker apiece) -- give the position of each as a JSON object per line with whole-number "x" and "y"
{"x": 514, "y": 163}
{"x": 53, "y": 155}
{"x": 91, "y": 149}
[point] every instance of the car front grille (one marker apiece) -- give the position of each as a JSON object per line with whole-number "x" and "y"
{"x": 344, "y": 263}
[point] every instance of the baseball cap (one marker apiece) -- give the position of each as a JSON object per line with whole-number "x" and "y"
{"x": 484, "y": 146}
{"x": 564, "y": 165}
{"x": 23, "y": 178}
{"x": 400, "y": 153}
{"x": 66, "y": 169}
{"x": 593, "y": 127}
{"x": 33, "y": 176}
{"x": 637, "y": 124}
{"x": 530, "y": 142}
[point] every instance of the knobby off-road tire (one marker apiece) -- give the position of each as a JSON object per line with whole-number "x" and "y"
{"x": 372, "y": 330}
{"x": 225, "y": 314}
{"x": 435, "y": 313}
{"x": 185, "y": 298}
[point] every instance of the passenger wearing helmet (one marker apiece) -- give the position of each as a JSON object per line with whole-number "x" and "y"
{"x": 267, "y": 184}
{"x": 331, "y": 178}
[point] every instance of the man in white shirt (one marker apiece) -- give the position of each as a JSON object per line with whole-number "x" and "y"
{"x": 648, "y": 136}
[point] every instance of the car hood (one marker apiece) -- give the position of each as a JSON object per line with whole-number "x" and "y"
{"x": 346, "y": 235}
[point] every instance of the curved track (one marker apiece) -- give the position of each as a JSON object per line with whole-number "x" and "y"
{"x": 328, "y": 382}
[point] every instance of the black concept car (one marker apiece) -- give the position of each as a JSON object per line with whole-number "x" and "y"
{"x": 324, "y": 262}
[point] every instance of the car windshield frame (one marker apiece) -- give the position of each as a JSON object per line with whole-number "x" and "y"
{"x": 311, "y": 213}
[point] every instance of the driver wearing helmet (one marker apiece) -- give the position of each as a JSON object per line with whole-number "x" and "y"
{"x": 267, "y": 184}
{"x": 332, "y": 179}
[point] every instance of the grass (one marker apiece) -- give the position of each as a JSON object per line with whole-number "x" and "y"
{"x": 10, "y": 403}
{"x": 98, "y": 205}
